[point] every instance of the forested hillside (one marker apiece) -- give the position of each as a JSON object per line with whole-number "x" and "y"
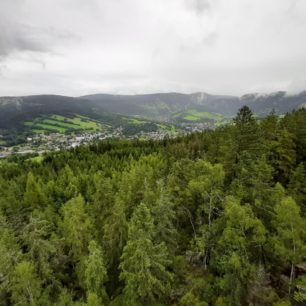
{"x": 213, "y": 218}
{"x": 167, "y": 106}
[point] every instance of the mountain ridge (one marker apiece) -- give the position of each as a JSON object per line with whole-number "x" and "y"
{"x": 156, "y": 106}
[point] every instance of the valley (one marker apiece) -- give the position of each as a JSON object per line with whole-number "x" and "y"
{"x": 59, "y": 122}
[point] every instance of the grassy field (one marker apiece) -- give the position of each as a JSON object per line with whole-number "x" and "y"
{"x": 167, "y": 127}
{"x": 37, "y": 159}
{"x": 136, "y": 121}
{"x": 61, "y": 124}
{"x": 194, "y": 115}
{"x": 170, "y": 128}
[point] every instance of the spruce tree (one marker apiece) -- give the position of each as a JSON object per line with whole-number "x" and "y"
{"x": 95, "y": 272}
{"x": 289, "y": 240}
{"x": 143, "y": 262}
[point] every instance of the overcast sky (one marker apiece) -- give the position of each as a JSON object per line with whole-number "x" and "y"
{"x": 78, "y": 47}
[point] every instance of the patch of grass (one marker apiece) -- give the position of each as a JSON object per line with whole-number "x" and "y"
{"x": 78, "y": 122}
{"x": 171, "y": 128}
{"x": 50, "y": 127}
{"x": 62, "y": 124}
{"x": 37, "y": 159}
{"x": 136, "y": 121}
{"x": 195, "y": 115}
{"x": 37, "y": 131}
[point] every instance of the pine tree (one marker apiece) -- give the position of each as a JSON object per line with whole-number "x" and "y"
{"x": 33, "y": 196}
{"x": 289, "y": 241}
{"x": 26, "y": 287}
{"x": 206, "y": 189}
{"x": 238, "y": 248}
{"x": 163, "y": 213}
{"x": 10, "y": 254}
{"x": 143, "y": 263}
{"x": 297, "y": 187}
{"x": 95, "y": 271}
{"x": 76, "y": 227}
{"x": 246, "y": 133}
{"x": 35, "y": 238}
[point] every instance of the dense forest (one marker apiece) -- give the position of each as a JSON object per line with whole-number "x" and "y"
{"x": 211, "y": 218}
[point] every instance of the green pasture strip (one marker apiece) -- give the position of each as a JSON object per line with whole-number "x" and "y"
{"x": 49, "y": 127}
{"x": 61, "y": 124}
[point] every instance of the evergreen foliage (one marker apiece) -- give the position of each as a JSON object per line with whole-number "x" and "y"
{"x": 211, "y": 218}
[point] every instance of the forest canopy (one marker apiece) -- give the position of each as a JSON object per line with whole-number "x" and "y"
{"x": 211, "y": 218}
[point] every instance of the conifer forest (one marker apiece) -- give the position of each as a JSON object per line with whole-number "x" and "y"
{"x": 211, "y": 218}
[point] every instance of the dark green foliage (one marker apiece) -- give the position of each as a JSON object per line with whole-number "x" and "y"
{"x": 144, "y": 262}
{"x": 212, "y": 218}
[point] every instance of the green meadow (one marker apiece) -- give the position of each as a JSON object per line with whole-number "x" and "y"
{"x": 195, "y": 115}
{"x": 62, "y": 124}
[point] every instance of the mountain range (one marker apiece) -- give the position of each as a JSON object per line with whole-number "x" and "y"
{"x": 167, "y": 107}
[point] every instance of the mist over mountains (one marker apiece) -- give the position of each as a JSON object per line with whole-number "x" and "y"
{"x": 164, "y": 105}
{"x": 160, "y": 106}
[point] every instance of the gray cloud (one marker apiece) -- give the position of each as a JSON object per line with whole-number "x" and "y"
{"x": 199, "y": 6}
{"x": 77, "y": 47}
{"x": 17, "y": 37}
{"x": 18, "y": 34}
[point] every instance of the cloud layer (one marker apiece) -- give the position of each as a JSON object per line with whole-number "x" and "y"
{"x": 78, "y": 47}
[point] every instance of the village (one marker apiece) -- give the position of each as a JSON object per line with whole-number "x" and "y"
{"x": 40, "y": 143}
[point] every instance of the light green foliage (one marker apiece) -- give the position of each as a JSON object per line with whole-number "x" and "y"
{"x": 33, "y": 196}
{"x": 207, "y": 185}
{"x": 93, "y": 300}
{"x": 289, "y": 242}
{"x": 9, "y": 254}
{"x": 66, "y": 186}
{"x": 95, "y": 271}
{"x": 206, "y": 188}
{"x": 40, "y": 249}
{"x": 26, "y": 287}
{"x": 210, "y": 218}
{"x": 195, "y": 115}
{"x": 61, "y": 124}
{"x": 76, "y": 227}
{"x": 241, "y": 240}
{"x": 300, "y": 294}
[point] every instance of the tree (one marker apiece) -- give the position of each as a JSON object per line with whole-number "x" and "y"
{"x": 33, "y": 196}
{"x": 246, "y": 132}
{"x": 297, "y": 187}
{"x": 163, "y": 214}
{"x": 206, "y": 189}
{"x": 239, "y": 246}
{"x": 76, "y": 227}
{"x": 143, "y": 263}
{"x": 40, "y": 249}
{"x": 10, "y": 254}
{"x": 283, "y": 155}
{"x": 26, "y": 287}
{"x": 103, "y": 202}
{"x": 114, "y": 240}
{"x": 260, "y": 291}
{"x": 253, "y": 184}
{"x": 95, "y": 271}
{"x": 289, "y": 240}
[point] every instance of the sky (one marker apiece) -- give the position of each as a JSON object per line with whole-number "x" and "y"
{"x": 79, "y": 47}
